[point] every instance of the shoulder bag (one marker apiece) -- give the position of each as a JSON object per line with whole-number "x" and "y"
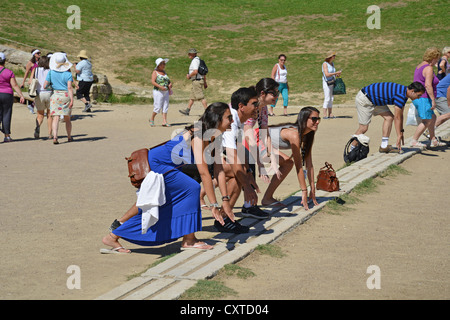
{"x": 326, "y": 179}
{"x": 339, "y": 86}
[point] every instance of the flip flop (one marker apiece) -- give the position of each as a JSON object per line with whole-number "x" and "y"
{"x": 198, "y": 246}
{"x": 115, "y": 250}
{"x": 152, "y": 123}
{"x": 166, "y": 125}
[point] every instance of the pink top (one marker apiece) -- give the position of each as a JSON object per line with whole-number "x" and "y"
{"x": 418, "y": 76}
{"x": 5, "y": 80}
{"x": 263, "y": 118}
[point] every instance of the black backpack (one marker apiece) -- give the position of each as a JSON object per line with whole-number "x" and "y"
{"x": 359, "y": 152}
{"x": 202, "y": 68}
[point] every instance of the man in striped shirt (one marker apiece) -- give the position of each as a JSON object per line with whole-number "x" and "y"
{"x": 374, "y": 99}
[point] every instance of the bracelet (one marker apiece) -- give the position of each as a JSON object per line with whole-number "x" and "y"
{"x": 214, "y": 205}
{"x": 304, "y": 190}
{"x": 226, "y": 198}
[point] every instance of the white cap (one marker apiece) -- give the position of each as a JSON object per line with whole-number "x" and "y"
{"x": 159, "y": 60}
{"x": 2, "y": 56}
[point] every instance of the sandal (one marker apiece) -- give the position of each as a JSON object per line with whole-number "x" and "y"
{"x": 115, "y": 250}
{"x": 417, "y": 144}
{"x": 152, "y": 123}
{"x": 70, "y": 139}
{"x": 166, "y": 125}
{"x": 55, "y": 141}
{"x": 436, "y": 143}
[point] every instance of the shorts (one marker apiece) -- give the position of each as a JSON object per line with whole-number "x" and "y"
{"x": 197, "y": 90}
{"x": 423, "y": 106}
{"x": 84, "y": 87}
{"x": 442, "y": 105}
{"x": 42, "y": 100}
{"x": 366, "y": 109}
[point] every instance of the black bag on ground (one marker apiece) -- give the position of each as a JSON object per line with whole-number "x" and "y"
{"x": 359, "y": 152}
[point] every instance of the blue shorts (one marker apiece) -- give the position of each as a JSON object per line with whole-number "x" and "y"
{"x": 423, "y": 106}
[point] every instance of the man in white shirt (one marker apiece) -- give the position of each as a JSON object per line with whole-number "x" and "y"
{"x": 198, "y": 82}
{"x": 244, "y": 105}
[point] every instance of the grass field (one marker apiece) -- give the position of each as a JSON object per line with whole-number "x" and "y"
{"x": 239, "y": 40}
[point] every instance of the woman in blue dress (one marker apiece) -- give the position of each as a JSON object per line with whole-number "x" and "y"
{"x": 180, "y": 216}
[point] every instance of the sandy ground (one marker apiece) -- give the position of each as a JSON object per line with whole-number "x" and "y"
{"x": 57, "y": 202}
{"x": 402, "y": 229}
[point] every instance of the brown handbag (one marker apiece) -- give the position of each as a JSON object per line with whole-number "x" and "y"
{"x": 138, "y": 166}
{"x": 326, "y": 179}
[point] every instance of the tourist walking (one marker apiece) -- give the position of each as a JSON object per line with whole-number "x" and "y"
{"x": 7, "y": 85}
{"x": 329, "y": 74}
{"x": 85, "y": 79}
{"x": 198, "y": 82}
{"x": 61, "y": 101}
{"x": 162, "y": 88}
{"x": 279, "y": 74}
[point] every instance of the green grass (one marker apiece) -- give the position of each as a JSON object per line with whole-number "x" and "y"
{"x": 239, "y": 40}
{"x": 207, "y": 290}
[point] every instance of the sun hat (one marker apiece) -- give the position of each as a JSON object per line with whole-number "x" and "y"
{"x": 83, "y": 54}
{"x": 192, "y": 50}
{"x": 330, "y": 54}
{"x": 59, "y": 62}
{"x": 2, "y": 56}
{"x": 159, "y": 60}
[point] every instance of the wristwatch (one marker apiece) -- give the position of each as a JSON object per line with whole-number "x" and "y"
{"x": 215, "y": 205}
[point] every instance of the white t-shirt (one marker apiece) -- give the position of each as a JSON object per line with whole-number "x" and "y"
{"x": 195, "y": 63}
{"x": 230, "y": 137}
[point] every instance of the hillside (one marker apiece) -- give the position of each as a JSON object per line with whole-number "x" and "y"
{"x": 239, "y": 40}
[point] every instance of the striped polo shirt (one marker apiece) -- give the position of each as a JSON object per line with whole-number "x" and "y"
{"x": 386, "y": 93}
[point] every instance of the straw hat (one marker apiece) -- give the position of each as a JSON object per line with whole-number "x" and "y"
{"x": 192, "y": 50}
{"x": 59, "y": 62}
{"x": 83, "y": 54}
{"x": 330, "y": 54}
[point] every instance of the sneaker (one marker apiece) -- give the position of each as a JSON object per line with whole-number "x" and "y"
{"x": 230, "y": 226}
{"x": 114, "y": 225}
{"x": 7, "y": 139}
{"x": 388, "y": 149}
{"x": 185, "y": 112}
{"x": 31, "y": 108}
{"x": 87, "y": 108}
{"x": 254, "y": 212}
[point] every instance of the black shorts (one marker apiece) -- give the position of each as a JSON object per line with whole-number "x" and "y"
{"x": 83, "y": 89}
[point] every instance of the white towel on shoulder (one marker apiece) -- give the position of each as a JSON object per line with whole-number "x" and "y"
{"x": 150, "y": 197}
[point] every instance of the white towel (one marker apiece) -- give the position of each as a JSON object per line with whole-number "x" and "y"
{"x": 150, "y": 196}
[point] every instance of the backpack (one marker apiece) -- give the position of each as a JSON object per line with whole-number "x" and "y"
{"x": 358, "y": 153}
{"x": 202, "y": 68}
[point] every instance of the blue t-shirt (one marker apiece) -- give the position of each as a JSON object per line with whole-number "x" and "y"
{"x": 58, "y": 80}
{"x": 386, "y": 93}
{"x": 85, "y": 66}
{"x": 442, "y": 87}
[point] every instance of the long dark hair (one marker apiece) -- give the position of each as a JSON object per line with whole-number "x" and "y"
{"x": 211, "y": 118}
{"x": 306, "y": 140}
{"x": 265, "y": 85}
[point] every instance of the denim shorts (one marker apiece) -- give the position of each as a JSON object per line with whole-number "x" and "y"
{"x": 423, "y": 106}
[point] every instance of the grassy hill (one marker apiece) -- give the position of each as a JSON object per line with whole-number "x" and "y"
{"x": 239, "y": 40}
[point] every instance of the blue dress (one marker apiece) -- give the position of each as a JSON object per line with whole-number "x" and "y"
{"x": 181, "y": 214}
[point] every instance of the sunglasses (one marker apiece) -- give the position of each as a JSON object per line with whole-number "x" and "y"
{"x": 315, "y": 119}
{"x": 274, "y": 93}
